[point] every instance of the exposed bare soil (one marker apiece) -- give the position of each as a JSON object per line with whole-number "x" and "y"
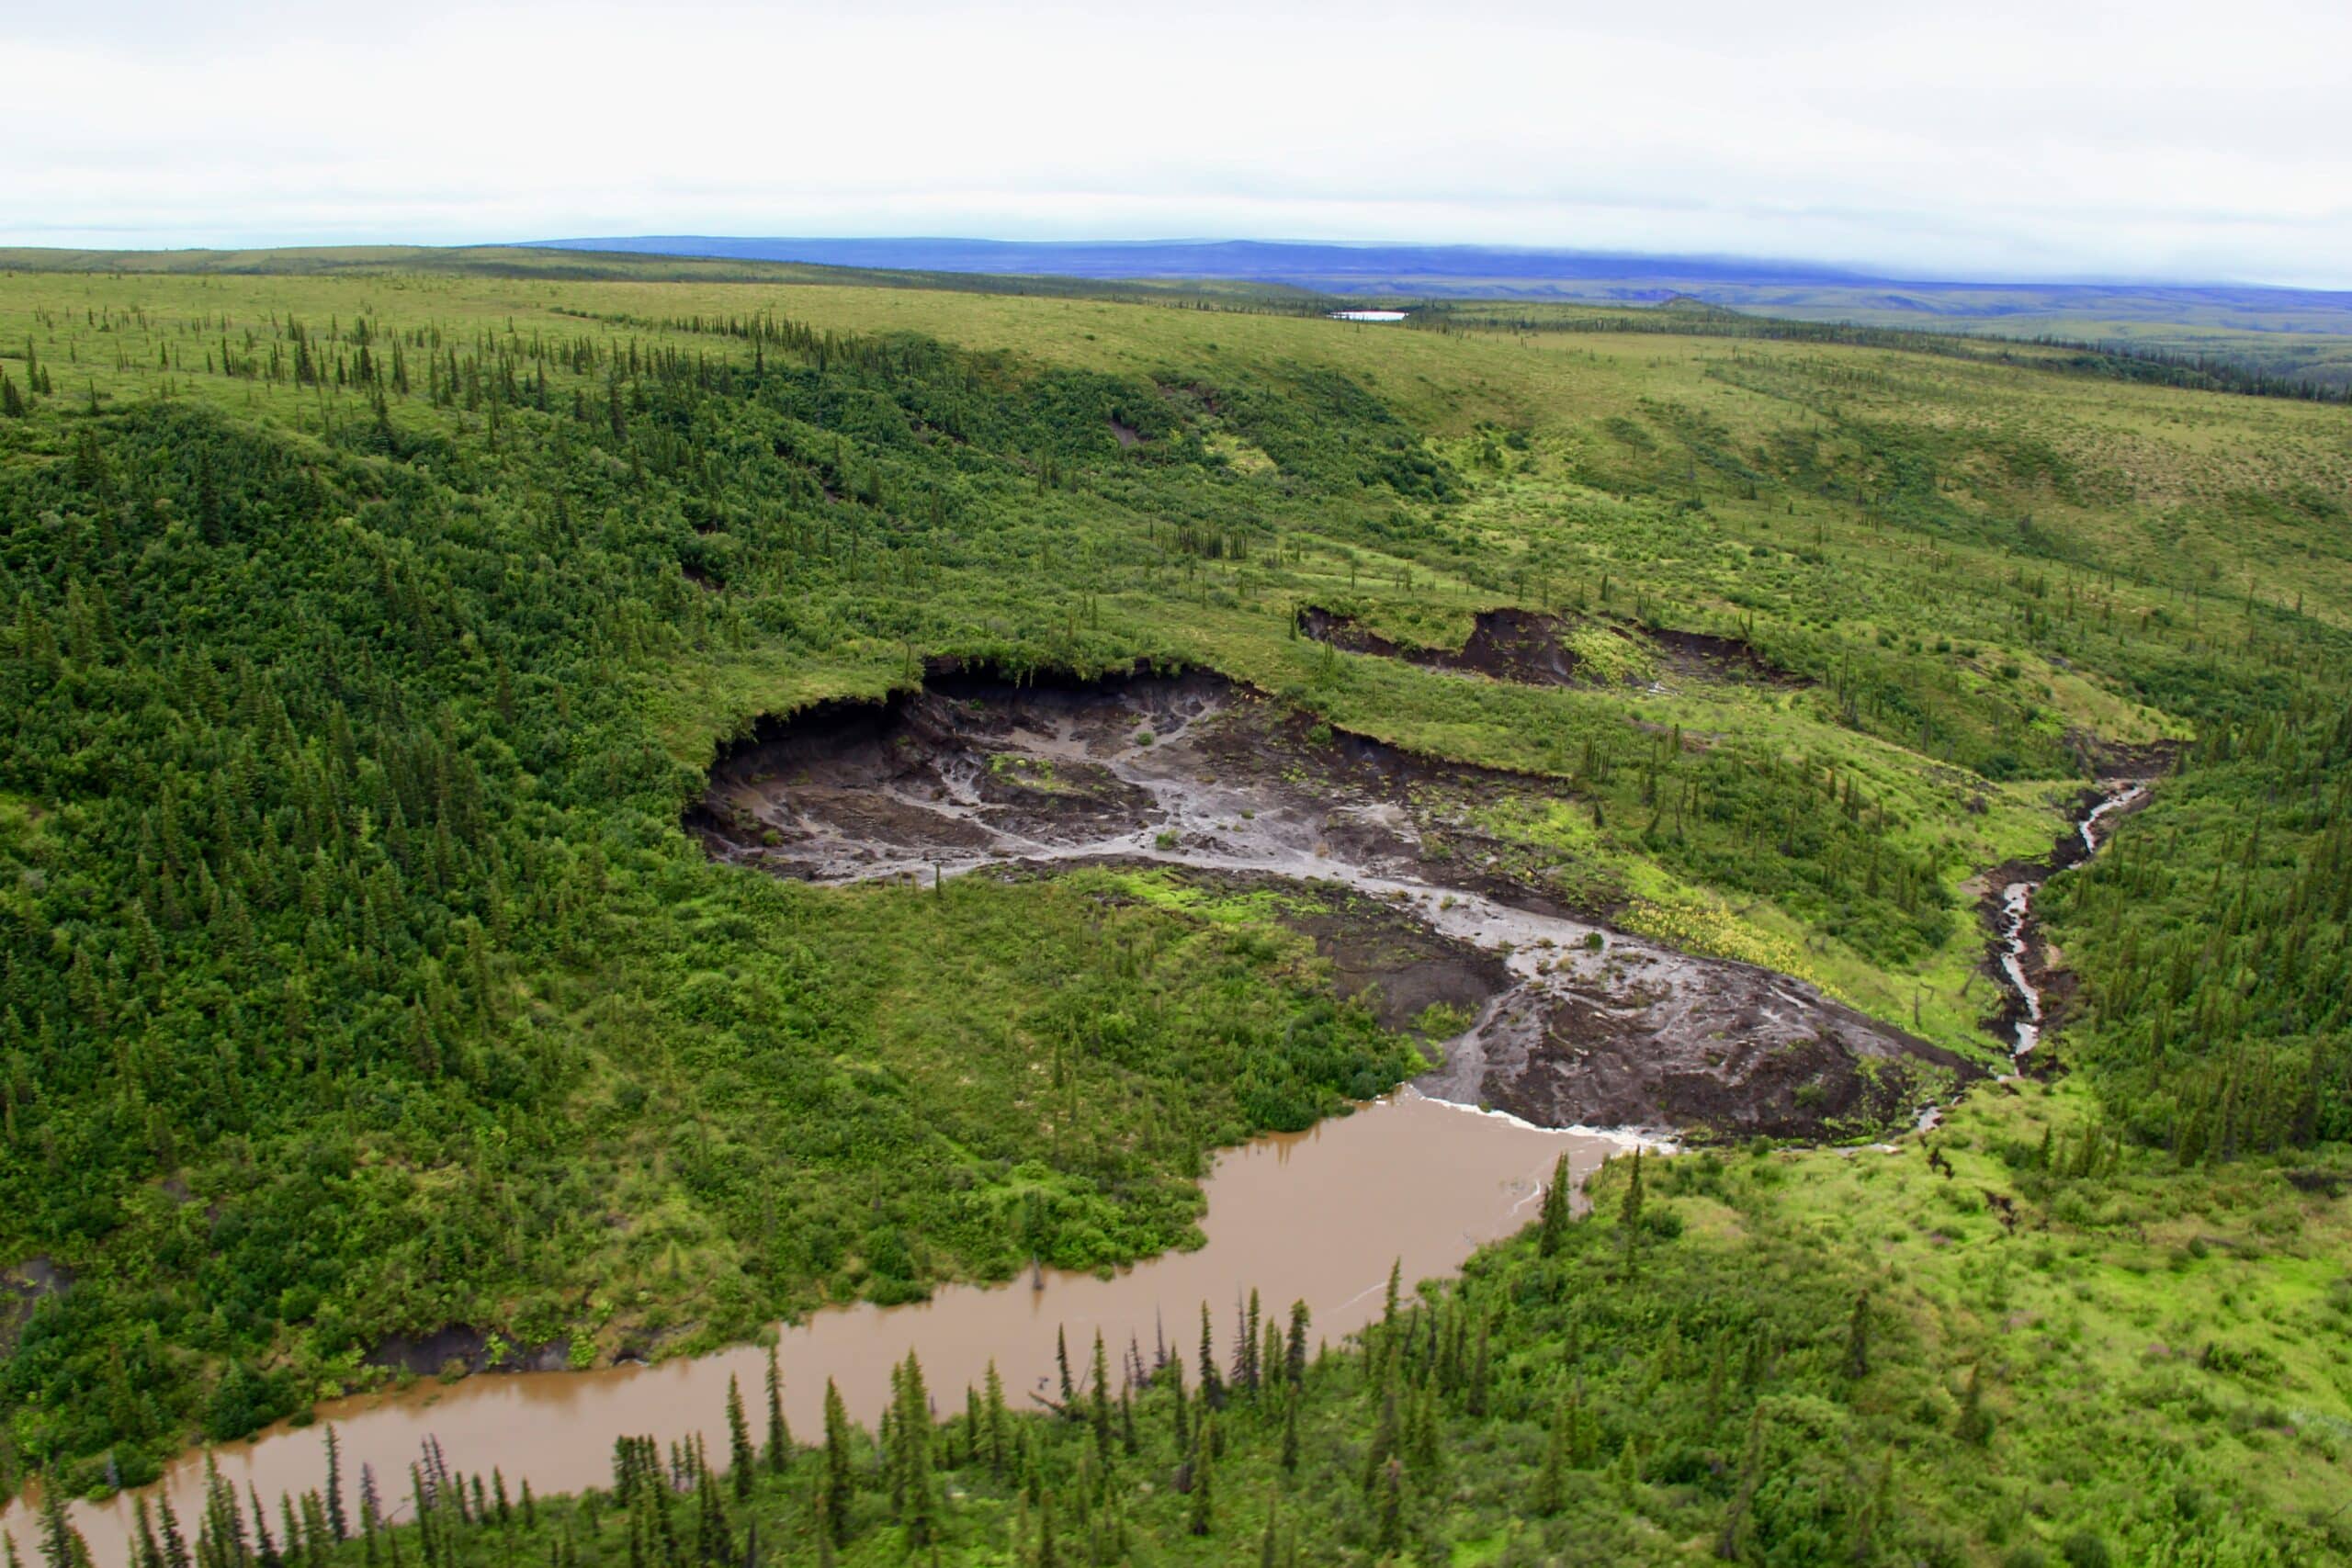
{"x": 1705, "y": 657}
{"x": 1575, "y": 1025}
{"x": 2121, "y": 760}
{"x": 1526, "y": 647}
{"x": 457, "y": 1349}
{"x": 1505, "y": 645}
{"x": 1396, "y": 962}
{"x": 1735, "y": 1050}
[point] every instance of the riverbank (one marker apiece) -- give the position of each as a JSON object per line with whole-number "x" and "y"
{"x": 1803, "y": 1349}
{"x": 1319, "y": 1217}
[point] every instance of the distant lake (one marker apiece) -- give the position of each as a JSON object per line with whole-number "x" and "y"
{"x": 1367, "y": 315}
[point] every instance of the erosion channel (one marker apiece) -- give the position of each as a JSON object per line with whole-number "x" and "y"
{"x": 2019, "y": 956}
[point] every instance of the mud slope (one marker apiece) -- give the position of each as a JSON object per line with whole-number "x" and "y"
{"x": 1526, "y": 646}
{"x": 1575, "y": 1025}
{"x": 1701, "y": 656}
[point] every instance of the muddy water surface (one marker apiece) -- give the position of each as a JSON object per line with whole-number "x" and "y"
{"x": 1317, "y": 1216}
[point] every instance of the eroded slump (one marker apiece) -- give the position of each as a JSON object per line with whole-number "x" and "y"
{"x": 1529, "y": 648}
{"x": 1575, "y": 1025}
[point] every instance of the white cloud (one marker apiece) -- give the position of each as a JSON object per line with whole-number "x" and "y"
{"x": 2158, "y": 138}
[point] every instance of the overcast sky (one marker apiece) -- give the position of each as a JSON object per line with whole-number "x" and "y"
{"x": 2156, "y": 138}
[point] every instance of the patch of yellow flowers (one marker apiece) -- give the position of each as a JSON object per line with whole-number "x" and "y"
{"x": 1703, "y": 926}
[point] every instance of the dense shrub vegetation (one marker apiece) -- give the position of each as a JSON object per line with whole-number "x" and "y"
{"x": 363, "y": 640}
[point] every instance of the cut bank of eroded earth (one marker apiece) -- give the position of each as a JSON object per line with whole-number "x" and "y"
{"x": 1529, "y": 648}
{"x": 1572, "y": 1024}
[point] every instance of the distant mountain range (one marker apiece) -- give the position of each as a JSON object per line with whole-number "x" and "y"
{"x": 1257, "y": 261}
{"x": 1384, "y": 271}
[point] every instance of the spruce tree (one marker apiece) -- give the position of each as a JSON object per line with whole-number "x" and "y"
{"x": 1098, "y": 1404}
{"x": 1383, "y": 1441}
{"x": 175, "y": 1553}
{"x": 741, "y": 1460}
{"x": 145, "y": 1554}
{"x": 779, "y": 1445}
{"x": 1731, "y": 1541}
{"x": 1211, "y": 1385}
{"x": 265, "y": 1546}
{"x": 839, "y": 1480}
{"x": 1552, "y": 1482}
{"x": 1048, "y": 1555}
{"x": 999, "y": 1420}
{"x": 337, "y": 1520}
{"x": 1475, "y": 1396}
{"x": 60, "y": 1544}
{"x": 1553, "y": 1232}
{"x": 911, "y": 1432}
{"x": 820, "y": 1525}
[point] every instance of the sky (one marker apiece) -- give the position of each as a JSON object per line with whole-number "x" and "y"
{"x": 2157, "y": 139}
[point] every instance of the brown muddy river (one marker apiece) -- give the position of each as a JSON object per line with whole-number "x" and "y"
{"x": 1317, "y": 1216}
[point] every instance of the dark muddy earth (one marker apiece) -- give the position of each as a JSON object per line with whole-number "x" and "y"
{"x": 457, "y": 1350}
{"x": 1508, "y": 645}
{"x": 1525, "y": 647}
{"x": 1571, "y": 1025}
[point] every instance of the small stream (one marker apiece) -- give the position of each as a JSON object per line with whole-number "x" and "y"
{"x": 2016, "y": 933}
{"x": 2016, "y": 918}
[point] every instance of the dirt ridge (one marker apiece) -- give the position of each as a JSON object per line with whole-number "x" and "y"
{"x": 1529, "y": 648}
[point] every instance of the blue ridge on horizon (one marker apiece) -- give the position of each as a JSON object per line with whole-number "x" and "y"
{"x": 1400, "y": 268}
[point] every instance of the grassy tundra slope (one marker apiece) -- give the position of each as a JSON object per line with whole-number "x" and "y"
{"x": 2297, "y": 334}
{"x": 370, "y": 632}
